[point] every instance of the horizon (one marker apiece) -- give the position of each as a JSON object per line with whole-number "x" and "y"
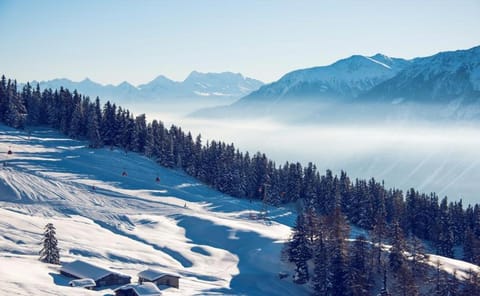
{"x": 111, "y": 42}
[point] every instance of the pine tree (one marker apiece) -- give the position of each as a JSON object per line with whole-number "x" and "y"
{"x": 15, "y": 112}
{"x": 320, "y": 278}
{"x": 379, "y": 232}
{"x": 140, "y": 133}
{"x": 396, "y": 257}
{"x": 50, "y": 252}
{"x": 360, "y": 280}
{"x": 417, "y": 254}
{"x": 444, "y": 241}
{"x": 405, "y": 285}
{"x": 76, "y": 128}
{"x": 339, "y": 273}
{"x": 440, "y": 281}
{"x": 93, "y": 128}
{"x": 299, "y": 253}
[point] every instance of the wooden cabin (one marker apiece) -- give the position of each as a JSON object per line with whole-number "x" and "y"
{"x": 101, "y": 276}
{"x": 145, "y": 289}
{"x": 159, "y": 278}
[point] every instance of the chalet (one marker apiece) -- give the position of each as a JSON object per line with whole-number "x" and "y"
{"x": 159, "y": 278}
{"x": 83, "y": 283}
{"x": 145, "y": 289}
{"x": 101, "y": 276}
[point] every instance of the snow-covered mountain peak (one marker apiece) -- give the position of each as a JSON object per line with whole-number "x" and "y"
{"x": 126, "y": 86}
{"x": 226, "y": 85}
{"x": 87, "y": 81}
{"x": 345, "y": 78}
{"x": 159, "y": 83}
{"x": 446, "y": 77}
{"x": 196, "y": 76}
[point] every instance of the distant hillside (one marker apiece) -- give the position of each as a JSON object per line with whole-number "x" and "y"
{"x": 226, "y": 85}
{"x": 344, "y": 79}
{"x": 448, "y": 82}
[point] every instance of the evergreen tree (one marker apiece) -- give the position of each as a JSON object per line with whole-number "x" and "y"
{"x": 50, "y": 252}
{"x": 15, "y": 112}
{"x": 417, "y": 255}
{"x": 299, "y": 253}
{"x": 379, "y": 232}
{"x": 140, "y": 133}
{"x": 76, "y": 129}
{"x": 108, "y": 124}
{"x": 321, "y": 284}
{"x": 440, "y": 284}
{"x": 396, "y": 257}
{"x": 360, "y": 280}
{"x": 339, "y": 232}
{"x": 405, "y": 285}
{"x": 93, "y": 128}
{"x": 3, "y": 97}
{"x": 444, "y": 242}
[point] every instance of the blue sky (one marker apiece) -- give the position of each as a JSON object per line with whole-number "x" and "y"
{"x": 113, "y": 41}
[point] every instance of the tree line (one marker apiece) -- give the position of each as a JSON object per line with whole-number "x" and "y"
{"x": 365, "y": 203}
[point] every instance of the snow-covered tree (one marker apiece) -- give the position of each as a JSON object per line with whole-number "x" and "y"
{"x": 360, "y": 280}
{"x": 396, "y": 257}
{"x": 299, "y": 253}
{"x": 321, "y": 262}
{"x": 50, "y": 253}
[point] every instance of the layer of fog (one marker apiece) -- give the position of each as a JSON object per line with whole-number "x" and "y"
{"x": 431, "y": 158}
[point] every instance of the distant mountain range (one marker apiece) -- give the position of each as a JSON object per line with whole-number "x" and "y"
{"x": 227, "y": 85}
{"x": 448, "y": 83}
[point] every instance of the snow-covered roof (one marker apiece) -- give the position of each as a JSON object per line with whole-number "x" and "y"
{"x": 83, "y": 283}
{"x": 81, "y": 270}
{"x": 145, "y": 289}
{"x": 153, "y": 275}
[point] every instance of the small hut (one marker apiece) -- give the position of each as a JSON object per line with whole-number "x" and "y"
{"x": 159, "y": 278}
{"x": 145, "y": 289}
{"x": 83, "y": 283}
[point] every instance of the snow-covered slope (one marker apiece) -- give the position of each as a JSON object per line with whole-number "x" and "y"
{"x": 128, "y": 223}
{"x": 226, "y": 85}
{"x": 345, "y": 78}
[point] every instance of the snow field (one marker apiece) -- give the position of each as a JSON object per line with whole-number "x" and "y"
{"x": 128, "y": 223}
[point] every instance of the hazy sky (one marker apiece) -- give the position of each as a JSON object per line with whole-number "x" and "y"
{"x": 113, "y": 41}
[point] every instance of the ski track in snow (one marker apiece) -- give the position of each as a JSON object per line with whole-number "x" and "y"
{"x": 129, "y": 223}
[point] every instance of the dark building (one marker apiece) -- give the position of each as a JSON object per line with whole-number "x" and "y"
{"x": 159, "y": 278}
{"x": 102, "y": 276}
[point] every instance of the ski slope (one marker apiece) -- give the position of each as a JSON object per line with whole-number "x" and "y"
{"x": 128, "y": 223}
